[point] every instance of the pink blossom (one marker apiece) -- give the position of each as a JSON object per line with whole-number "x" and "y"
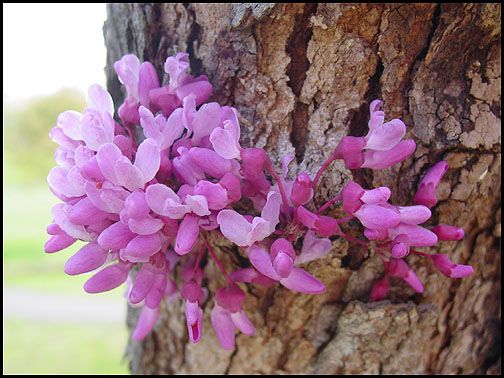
{"x": 426, "y": 194}
{"x": 398, "y": 268}
{"x": 449, "y": 268}
{"x": 240, "y": 231}
{"x": 380, "y": 289}
{"x": 227, "y": 315}
{"x": 447, "y": 232}
{"x": 279, "y": 266}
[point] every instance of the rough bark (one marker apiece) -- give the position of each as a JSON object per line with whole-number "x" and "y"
{"x": 302, "y": 77}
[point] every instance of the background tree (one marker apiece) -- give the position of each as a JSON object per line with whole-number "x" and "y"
{"x": 302, "y": 76}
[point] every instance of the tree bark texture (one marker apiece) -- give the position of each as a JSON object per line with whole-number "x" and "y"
{"x": 302, "y": 76}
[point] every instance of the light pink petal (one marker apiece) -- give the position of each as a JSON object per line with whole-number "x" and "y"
{"x": 87, "y": 259}
{"x": 115, "y": 237}
{"x": 313, "y": 248}
{"x": 60, "y": 216}
{"x": 261, "y": 260}
{"x": 142, "y": 284}
{"x": 69, "y": 122}
{"x": 85, "y": 213}
{"x": 145, "y": 226}
{"x": 198, "y": 204}
{"x": 205, "y": 121}
{"x": 146, "y": 322}
{"x": 99, "y": 99}
{"x": 112, "y": 196}
{"x": 377, "y": 217}
{"x": 377, "y": 116}
{"x": 187, "y": 234}
{"x": 215, "y": 194}
{"x": 350, "y": 150}
{"x": 142, "y": 247}
{"x": 260, "y": 230}
{"x": 418, "y": 236}
{"x": 376, "y": 196}
{"x": 176, "y": 67}
{"x": 148, "y": 80}
{"x": 155, "y": 296}
{"x": 128, "y": 175}
{"x": 64, "y": 157}
{"x": 303, "y": 282}
{"x": 59, "y": 180}
{"x": 124, "y": 144}
{"x": 128, "y": 71}
{"x": 225, "y": 144}
{"x": 271, "y": 210}
{"x": 58, "y": 242}
{"x": 58, "y": 136}
{"x": 234, "y": 227}
{"x": 200, "y": 87}
{"x": 151, "y": 126}
{"x": 108, "y": 278}
{"x": 223, "y": 326}
{"x": 156, "y": 196}
{"x": 383, "y": 159}
{"x": 412, "y": 280}
{"x": 210, "y": 162}
{"x": 148, "y": 159}
{"x": 414, "y": 214}
{"x": 173, "y": 129}
{"x": 243, "y": 323}
{"x": 435, "y": 173}
{"x": 385, "y": 136}
{"x": 306, "y": 217}
{"x": 107, "y": 156}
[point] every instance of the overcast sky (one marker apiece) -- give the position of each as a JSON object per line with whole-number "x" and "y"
{"x": 50, "y": 46}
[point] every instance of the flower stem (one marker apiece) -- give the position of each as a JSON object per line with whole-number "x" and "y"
{"x": 273, "y": 173}
{"x": 218, "y": 262}
{"x": 321, "y": 170}
{"x": 329, "y": 203}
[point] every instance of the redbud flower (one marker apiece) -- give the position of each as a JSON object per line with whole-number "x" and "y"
{"x": 302, "y": 191}
{"x": 450, "y": 269}
{"x": 426, "y": 194}
{"x": 279, "y": 265}
{"x": 447, "y": 232}
{"x": 228, "y": 314}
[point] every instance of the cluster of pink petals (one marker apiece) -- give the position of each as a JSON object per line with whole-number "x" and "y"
{"x": 145, "y": 210}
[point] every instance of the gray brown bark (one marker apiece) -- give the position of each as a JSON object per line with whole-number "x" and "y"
{"x": 302, "y": 77}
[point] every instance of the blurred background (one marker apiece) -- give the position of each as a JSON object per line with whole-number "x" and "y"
{"x": 52, "y": 54}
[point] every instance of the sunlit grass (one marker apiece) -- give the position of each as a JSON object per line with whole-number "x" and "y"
{"x": 37, "y": 348}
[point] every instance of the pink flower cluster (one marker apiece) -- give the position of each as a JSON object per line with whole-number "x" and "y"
{"x": 146, "y": 210}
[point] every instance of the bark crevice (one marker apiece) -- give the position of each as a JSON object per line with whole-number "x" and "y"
{"x": 297, "y": 47}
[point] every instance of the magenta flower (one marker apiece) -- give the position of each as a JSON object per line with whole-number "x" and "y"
{"x": 145, "y": 204}
{"x": 193, "y": 295}
{"x": 243, "y": 232}
{"x": 450, "y": 269}
{"x": 227, "y": 315}
{"x": 426, "y": 194}
{"x": 279, "y": 266}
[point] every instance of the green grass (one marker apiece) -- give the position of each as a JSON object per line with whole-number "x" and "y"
{"x": 37, "y": 348}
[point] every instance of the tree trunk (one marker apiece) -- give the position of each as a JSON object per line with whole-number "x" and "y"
{"x": 302, "y": 76}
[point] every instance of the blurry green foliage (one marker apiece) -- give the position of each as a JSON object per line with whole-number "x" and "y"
{"x": 28, "y": 151}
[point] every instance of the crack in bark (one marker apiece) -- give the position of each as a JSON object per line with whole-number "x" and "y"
{"x": 194, "y": 35}
{"x": 297, "y": 47}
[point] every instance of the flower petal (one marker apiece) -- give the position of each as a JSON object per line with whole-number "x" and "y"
{"x": 86, "y": 259}
{"x": 303, "y": 282}
{"x": 235, "y": 227}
